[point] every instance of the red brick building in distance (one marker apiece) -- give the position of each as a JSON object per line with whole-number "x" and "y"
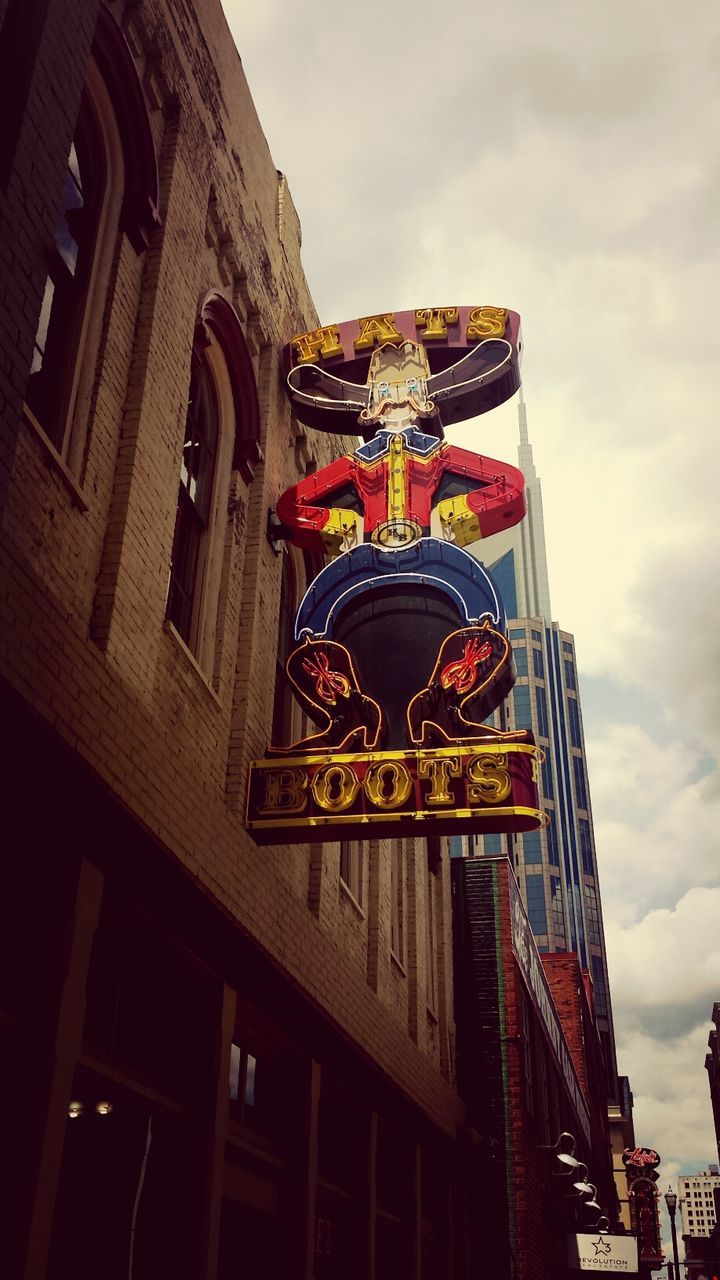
{"x": 572, "y": 994}
{"x": 528, "y": 1072}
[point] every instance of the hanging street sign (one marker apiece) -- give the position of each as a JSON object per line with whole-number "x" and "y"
{"x": 400, "y": 648}
{"x": 599, "y": 1251}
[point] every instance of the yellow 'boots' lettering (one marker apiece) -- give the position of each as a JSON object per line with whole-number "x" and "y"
{"x": 335, "y": 787}
{"x": 487, "y": 322}
{"x": 439, "y": 770}
{"x": 488, "y": 780}
{"x": 386, "y": 783}
{"x": 285, "y": 791}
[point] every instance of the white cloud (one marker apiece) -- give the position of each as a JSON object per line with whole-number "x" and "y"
{"x": 656, "y": 823}
{"x": 669, "y": 958}
{"x": 672, "y": 1102}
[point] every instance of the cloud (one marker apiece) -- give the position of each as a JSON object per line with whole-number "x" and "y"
{"x": 678, "y": 611}
{"x": 657, "y": 814}
{"x": 668, "y": 959}
{"x": 664, "y": 978}
{"x": 672, "y": 1103}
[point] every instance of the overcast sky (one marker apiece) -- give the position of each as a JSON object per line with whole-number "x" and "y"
{"x": 562, "y": 159}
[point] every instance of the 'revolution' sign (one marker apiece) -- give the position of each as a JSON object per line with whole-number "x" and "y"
{"x": 400, "y": 648}
{"x": 613, "y": 1255}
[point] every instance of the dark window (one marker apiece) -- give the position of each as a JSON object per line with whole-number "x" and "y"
{"x": 566, "y": 647}
{"x": 352, "y": 868}
{"x": 575, "y": 730}
{"x": 592, "y": 915}
{"x": 586, "y": 849}
{"x": 538, "y": 664}
{"x": 517, "y": 633}
{"x": 542, "y": 711}
{"x": 547, "y": 779}
{"x": 192, "y": 521}
{"x": 537, "y": 914}
{"x": 536, "y": 636}
{"x": 552, "y": 841}
{"x": 242, "y": 1077}
{"x": 521, "y": 698}
{"x": 600, "y": 986}
{"x": 557, "y": 911}
{"x": 521, "y": 660}
{"x": 531, "y": 846}
{"x": 70, "y": 263}
{"x": 397, "y": 889}
{"x": 245, "y": 1096}
{"x": 259, "y": 1094}
{"x": 570, "y": 681}
{"x": 580, "y": 784}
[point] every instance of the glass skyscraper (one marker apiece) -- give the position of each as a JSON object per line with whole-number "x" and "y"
{"x": 556, "y": 867}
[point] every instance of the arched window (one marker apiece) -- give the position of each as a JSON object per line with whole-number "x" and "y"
{"x": 111, "y": 180}
{"x": 222, "y": 425}
{"x": 194, "y": 510}
{"x": 69, "y": 268}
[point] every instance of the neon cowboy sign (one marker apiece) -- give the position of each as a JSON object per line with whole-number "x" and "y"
{"x": 400, "y": 648}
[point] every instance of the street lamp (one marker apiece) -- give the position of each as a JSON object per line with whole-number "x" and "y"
{"x": 671, "y": 1202}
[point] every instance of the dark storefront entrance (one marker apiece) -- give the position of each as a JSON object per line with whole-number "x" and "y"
{"x": 177, "y": 1107}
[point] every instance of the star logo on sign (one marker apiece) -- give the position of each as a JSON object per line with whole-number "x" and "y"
{"x": 602, "y": 1247}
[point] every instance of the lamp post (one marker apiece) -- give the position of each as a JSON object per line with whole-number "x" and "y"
{"x": 671, "y": 1202}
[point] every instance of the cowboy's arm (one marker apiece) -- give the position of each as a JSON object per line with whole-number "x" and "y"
{"x": 314, "y": 525}
{"x": 498, "y": 501}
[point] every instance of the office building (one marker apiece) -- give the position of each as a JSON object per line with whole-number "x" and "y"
{"x": 699, "y": 1205}
{"x": 556, "y": 867}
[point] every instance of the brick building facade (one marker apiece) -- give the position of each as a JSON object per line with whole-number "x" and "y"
{"x": 572, "y": 994}
{"x": 219, "y": 1057}
{"x": 526, "y": 1072}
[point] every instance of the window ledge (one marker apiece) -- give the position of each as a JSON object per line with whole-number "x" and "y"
{"x": 175, "y": 636}
{"x": 77, "y": 493}
{"x": 396, "y": 963}
{"x": 348, "y": 893}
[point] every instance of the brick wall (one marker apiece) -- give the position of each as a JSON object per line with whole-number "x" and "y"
{"x": 510, "y": 1076}
{"x": 85, "y": 551}
{"x": 571, "y": 989}
{"x": 565, "y": 980}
